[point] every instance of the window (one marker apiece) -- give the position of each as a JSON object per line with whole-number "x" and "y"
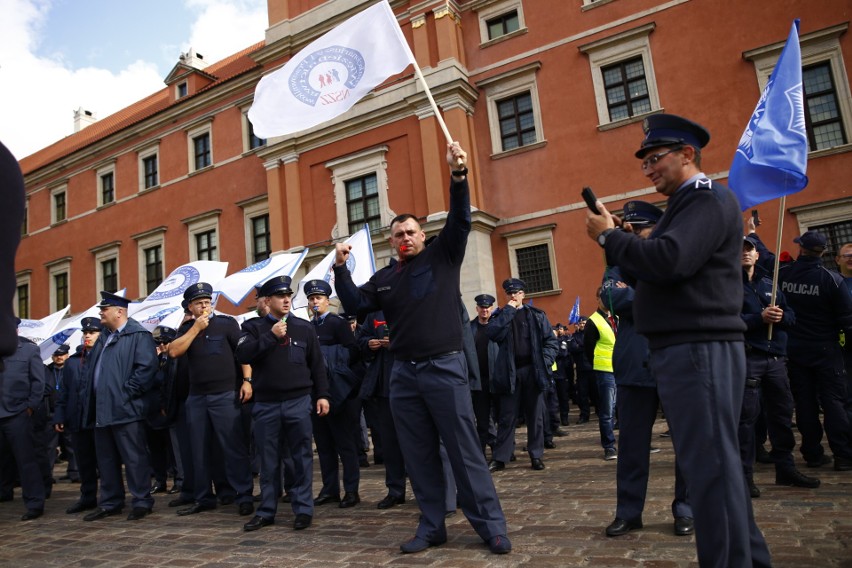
{"x": 626, "y": 89}
{"x": 360, "y": 191}
{"x": 500, "y": 20}
{"x": 514, "y": 114}
{"x": 200, "y": 146}
{"x": 203, "y": 235}
{"x": 60, "y": 289}
{"x": 106, "y": 266}
{"x": 149, "y": 168}
{"x": 151, "y": 255}
{"x": 250, "y": 140}
{"x": 106, "y": 185}
{"x": 261, "y": 246}
{"x": 532, "y": 259}
{"x": 22, "y": 295}
{"x": 837, "y": 234}
{"x": 503, "y": 24}
{"x": 25, "y": 222}
{"x": 182, "y": 90}
{"x": 623, "y": 77}
{"x": 58, "y": 211}
{"x": 822, "y": 113}
{"x": 828, "y": 102}
{"x": 153, "y": 258}
{"x": 109, "y": 272}
{"x": 362, "y": 203}
{"x": 59, "y": 278}
{"x": 205, "y": 245}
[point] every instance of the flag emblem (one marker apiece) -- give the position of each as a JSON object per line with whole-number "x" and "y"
{"x": 178, "y": 281}
{"x": 326, "y": 76}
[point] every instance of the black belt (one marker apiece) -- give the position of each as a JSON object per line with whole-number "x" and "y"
{"x": 752, "y": 383}
{"x": 429, "y": 358}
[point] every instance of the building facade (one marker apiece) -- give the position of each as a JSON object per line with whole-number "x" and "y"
{"x": 548, "y": 96}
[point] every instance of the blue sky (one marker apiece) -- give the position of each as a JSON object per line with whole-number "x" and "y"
{"x": 103, "y": 55}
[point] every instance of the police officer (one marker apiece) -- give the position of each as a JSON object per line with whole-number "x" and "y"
{"x": 823, "y": 308}
{"x": 527, "y": 349}
{"x": 599, "y": 342}
{"x": 175, "y": 393}
{"x": 75, "y": 415}
{"x": 484, "y": 404}
{"x": 338, "y": 433}
{"x": 290, "y": 383}
{"x": 585, "y": 391}
{"x": 47, "y": 438}
{"x": 213, "y": 404}
{"x": 21, "y": 391}
{"x": 563, "y": 376}
{"x": 687, "y": 303}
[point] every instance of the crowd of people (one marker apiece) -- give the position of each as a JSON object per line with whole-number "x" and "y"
{"x": 686, "y": 324}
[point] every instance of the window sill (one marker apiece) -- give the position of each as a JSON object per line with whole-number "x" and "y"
{"x": 58, "y": 223}
{"x": 594, "y": 5}
{"x": 105, "y": 206}
{"x": 502, "y": 38}
{"x": 200, "y": 170}
{"x": 830, "y": 151}
{"x": 519, "y": 150}
{"x": 626, "y": 121}
{"x": 149, "y": 189}
{"x": 554, "y": 292}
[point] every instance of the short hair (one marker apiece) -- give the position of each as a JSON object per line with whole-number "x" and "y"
{"x": 402, "y": 218}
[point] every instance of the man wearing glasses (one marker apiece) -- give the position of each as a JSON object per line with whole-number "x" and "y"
{"x": 688, "y": 283}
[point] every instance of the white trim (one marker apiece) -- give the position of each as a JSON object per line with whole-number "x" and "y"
{"x": 53, "y": 271}
{"x": 506, "y": 85}
{"x": 359, "y": 164}
{"x": 53, "y": 213}
{"x": 496, "y": 9}
{"x": 246, "y": 128}
{"x": 99, "y": 181}
{"x": 250, "y": 211}
{"x": 148, "y": 240}
{"x": 525, "y": 238}
{"x": 101, "y": 256}
{"x": 147, "y": 152}
{"x": 23, "y": 280}
{"x": 201, "y": 224}
{"x": 825, "y": 213}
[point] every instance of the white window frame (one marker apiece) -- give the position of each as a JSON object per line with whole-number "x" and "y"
{"x": 146, "y": 240}
{"x": 99, "y": 173}
{"x": 491, "y": 10}
{"x": 252, "y": 208}
{"x": 620, "y": 47}
{"x": 142, "y": 155}
{"x": 524, "y": 238}
{"x": 589, "y": 4}
{"x": 55, "y": 268}
{"x": 246, "y": 124}
{"x": 825, "y": 213}
{"x": 201, "y": 224}
{"x": 191, "y": 134}
{"x": 178, "y": 86}
{"x": 24, "y": 278}
{"x": 373, "y": 160}
{"x": 103, "y": 253}
{"x": 817, "y": 47}
{"x": 53, "y": 193}
{"x": 506, "y": 85}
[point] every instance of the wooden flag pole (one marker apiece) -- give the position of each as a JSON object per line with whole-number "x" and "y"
{"x": 781, "y": 207}
{"x": 434, "y": 105}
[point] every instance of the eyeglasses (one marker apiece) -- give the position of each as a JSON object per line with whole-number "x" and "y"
{"x": 652, "y": 160}
{"x": 846, "y": 256}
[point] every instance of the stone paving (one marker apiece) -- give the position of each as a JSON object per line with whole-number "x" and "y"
{"x": 556, "y": 518}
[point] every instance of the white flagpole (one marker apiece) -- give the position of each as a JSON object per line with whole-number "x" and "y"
{"x": 437, "y": 112}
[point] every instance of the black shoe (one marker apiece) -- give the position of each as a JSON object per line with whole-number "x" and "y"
{"x": 563, "y": 421}
{"x": 227, "y": 500}
{"x": 79, "y": 507}
{"x": 390, "y": 501}
{"x": 302, "y": 522}
{"x": 418, "y": 544}
{"x": 158, "y": 488}
{"x": 287, "y": 498}
{"x": 762, "y": 456}
{"x": 842, "y": 464}
{"x": 512, "y": 458}
{"x": 180, "y": 502}
{"x": 138, "y": 513}
{"x": 100, "y": 513}
{"x": 684, "y": 526}
{"x": 32, "y": 514}
{"x": 323, "y": 499}
{"x": 559, "y": 432}
{"x": 257, "y": 522}
{"x": 197, "y": 508}
{"x": 753, "y": 490}
{"x": 582, "y": 420}
{"x": 549, "y": 444}
{"x": 363, "y": 461}
{"x": 246, "y": 508}
{"x": 495, "y": 465}
{"x": 537, "y": 464}
{"x": 818, "y": 462}
{"x": 499, "y": 544}
{"x": 795, "y": 478}
{"x": 620, "y": 527}
{"x": 349, "y": 500}
{"x": 175, "y": 489}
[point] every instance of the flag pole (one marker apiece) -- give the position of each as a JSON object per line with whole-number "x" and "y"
{"x": 782, "y": 205}
{"x": 441, "y": 122}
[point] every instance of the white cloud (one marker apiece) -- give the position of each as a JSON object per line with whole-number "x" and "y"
{"x": 225, "y": 27}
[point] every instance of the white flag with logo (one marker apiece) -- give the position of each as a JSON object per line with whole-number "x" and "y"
{"x": 238, "y": 285}
{"x": 39, "y": 330}
{"x": 361, "y": 265}
{"x": 331, "y": 74}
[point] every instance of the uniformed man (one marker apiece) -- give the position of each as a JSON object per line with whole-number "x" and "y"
{"x": 337, "y": 434}
{"x": 585, "y": 389}
{"x": 687, "y": 303}
{"x": 21, "y": 391}
{"x": 123, "y": 385}
{"x": 290, "y": 383}
{"x": 430, "y": 396}
{"x": 47, "y": 438}
{"x": 484, "y": 404}
{"x": 599, "y": 342}
{"x": 216, "y": 391}
{"x": 75, "y": 417}
{"x": 563, "y": 376}
{"x": 823, "y": 308}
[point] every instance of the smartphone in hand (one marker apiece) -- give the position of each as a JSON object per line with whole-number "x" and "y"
{"x": 590, "y": 199}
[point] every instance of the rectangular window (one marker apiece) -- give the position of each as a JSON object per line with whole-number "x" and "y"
{"x": 205, "y": 245}
{"x": 60, "y": 283}
{"x": 254, "y": 141}
{"x": 503, "y": 24}
{"x": 107, "y": 188}
{"x": 24, "y": 301}
{"x": 534, "y": 268}
{"x": 182, "y": 90}
{"x": 201, "y": 148}
{"x": 362, "y": 203}
{"x": 59, "y": 209}
{"x": 822, "y": 112}
{"x": 109, "y": 273}
{"x": 25, "y": 224}
{"x": 837, "y": 234}
{"x": 261, "y": 245}
{"x": 153, "y": 268}
{"x": 517, "y": 121}
{"x": 626, "y": 89}
{"x": 151, "y": 177}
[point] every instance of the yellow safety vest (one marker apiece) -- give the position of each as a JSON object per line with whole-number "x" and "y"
{"x": 605, "y": 344}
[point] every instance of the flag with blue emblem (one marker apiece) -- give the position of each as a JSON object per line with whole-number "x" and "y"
{"x": 68, "y": 331}
{"x": 39, "y": 330}
{"x": 331, "y": 74}
{"x": 238, "y": 285}
{"x": 772, "y": 157}
{"x": 574, "y": 316}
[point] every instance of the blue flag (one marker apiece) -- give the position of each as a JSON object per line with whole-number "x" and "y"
{"x": 772, "y": 156}
{"x": 574, "y": 316}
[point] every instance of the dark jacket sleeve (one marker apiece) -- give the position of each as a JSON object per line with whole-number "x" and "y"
{"x": 590, "y": 339}
{"x": 254, "y": 343}
{"x": 500, "y": 324}
{"x": 319, "y": 372}
{"x": 549, "y": 344}
{"x": 355, "y": 300}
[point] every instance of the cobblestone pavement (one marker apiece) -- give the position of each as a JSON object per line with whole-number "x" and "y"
{"x": 556, "y": 518}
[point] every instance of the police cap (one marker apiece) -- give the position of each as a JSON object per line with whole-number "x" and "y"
{"x": 90, "y": 324}
{"x": 198, "y": 291}
{"x": 163, "y": 334}
{"x": 671, "y": 130}
{"x": 63, "y": 349}
{"x": 317, "y": 287}
{"x": 277, "y": 284}
{"x": 812, "y": 240}
{"x": 640, "y": 213}
{"x": 512, "y": 285}
{"x": 108, "y": 300}
{"x": 750, "y": 242}
{"x": 485, "y": 300}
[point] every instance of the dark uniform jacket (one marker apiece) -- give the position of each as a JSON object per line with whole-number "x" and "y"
{"x": 379, "y": 362}
{"x": 75, "y": 393}
{"x": 22, "y": 380}
{"x": 340, "y": 350}
{"x": 492, "y": 351}
{"x": 211, "y": 364}
{"x": 499, "y": 330}
{"x": 757, "y": 295}
{"x": 630, "y": 354}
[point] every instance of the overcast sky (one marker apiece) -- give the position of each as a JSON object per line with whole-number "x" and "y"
{"x": 103, "y": 55}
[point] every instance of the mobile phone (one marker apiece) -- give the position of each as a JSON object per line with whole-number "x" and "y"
{"x": 755, "y": 217}
{"x": 590, "y": 199}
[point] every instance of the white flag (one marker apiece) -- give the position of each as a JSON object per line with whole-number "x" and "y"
{"x": 331, "y": 74}
{"x": 238, "y": 285}
{"x": 68, "y": 331}
{"x": 39, "y": 330}
{"x": 361, "y": 265}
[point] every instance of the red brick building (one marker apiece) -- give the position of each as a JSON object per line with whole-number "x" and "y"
{"x": 547, "y": 95}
